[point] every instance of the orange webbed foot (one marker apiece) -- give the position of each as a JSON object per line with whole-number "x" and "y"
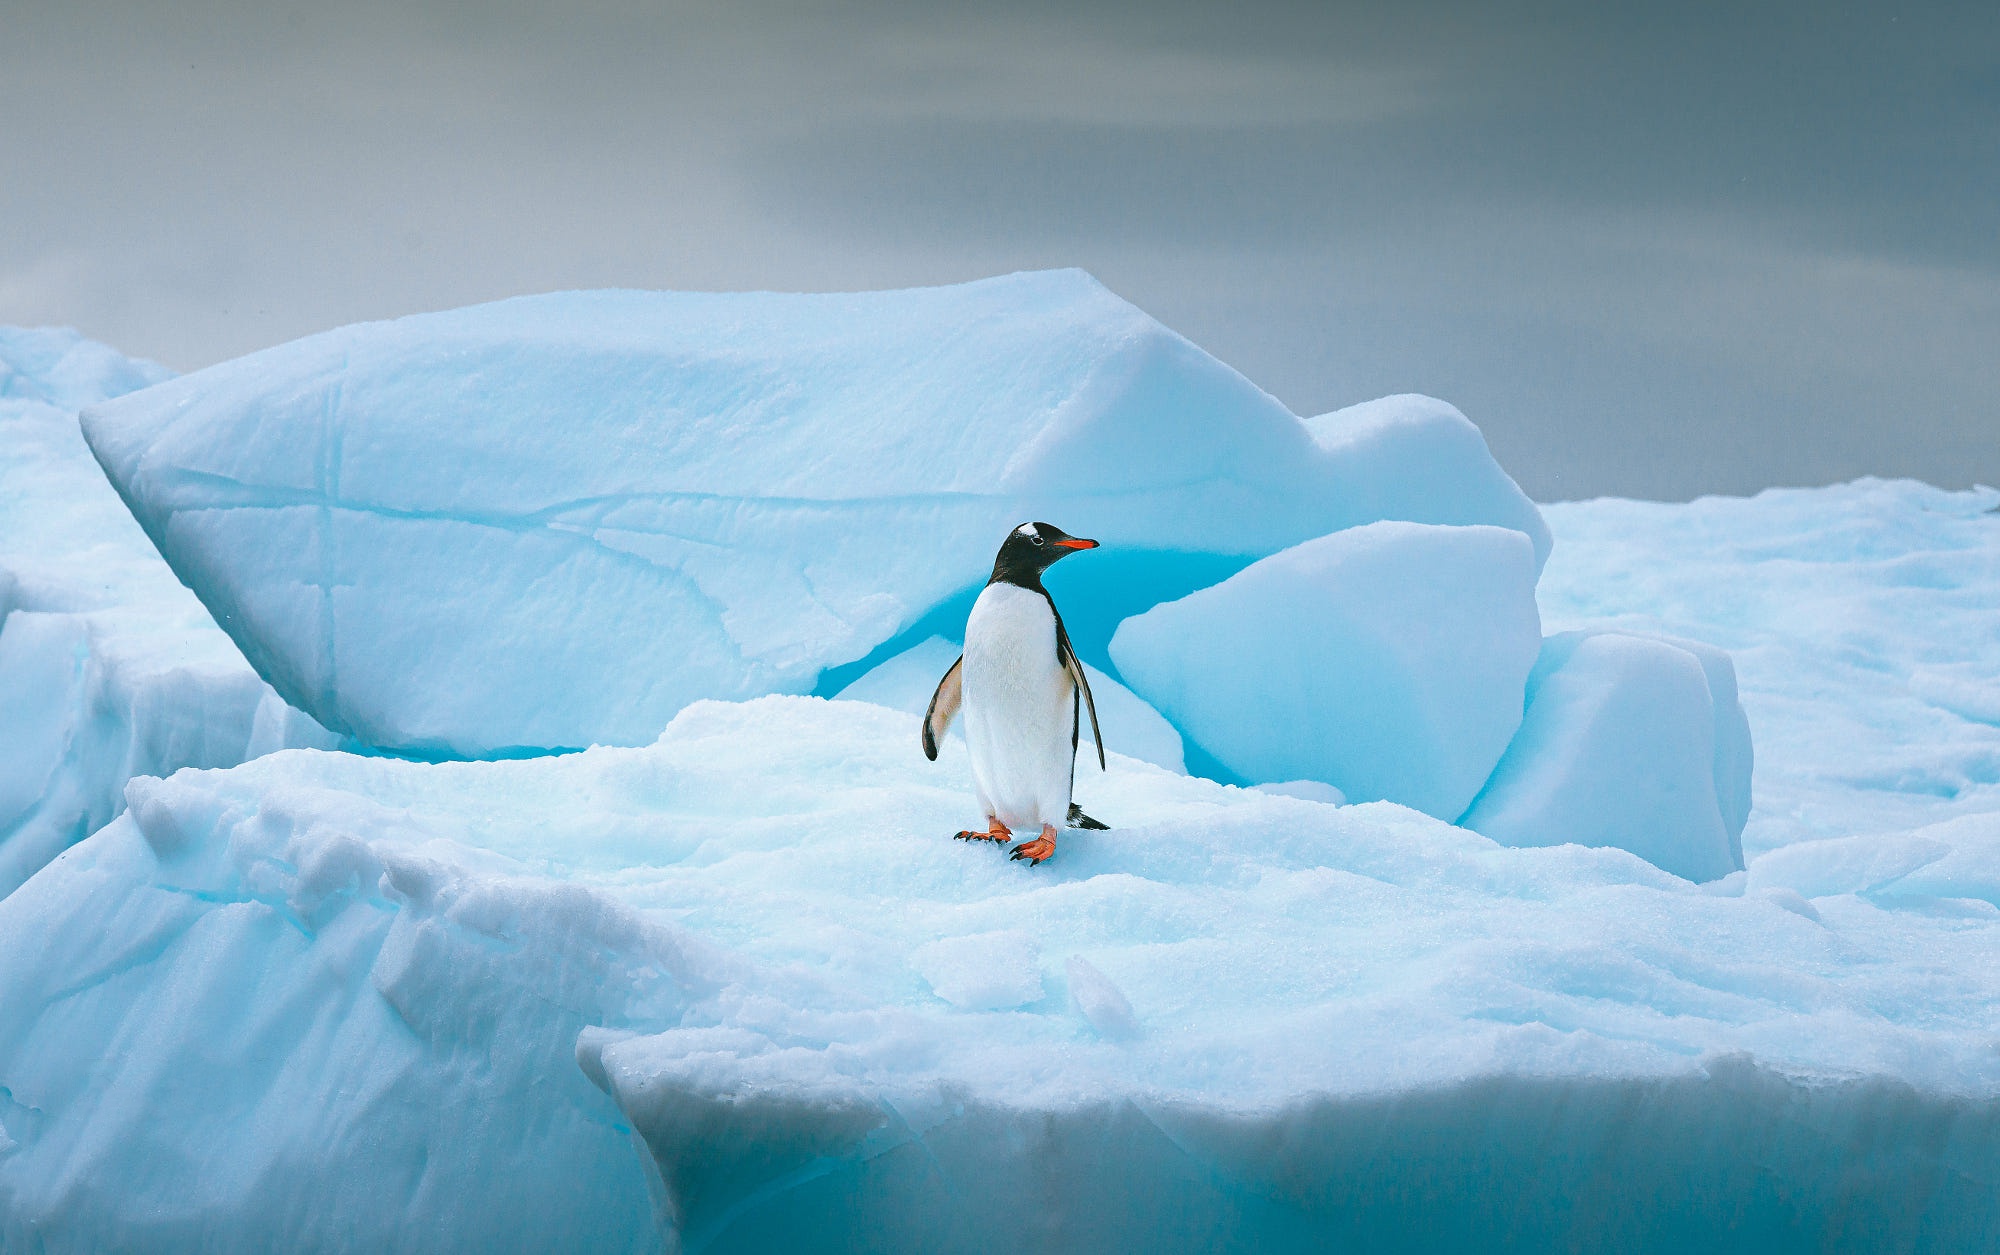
{"x": 1038, "y": 849}
{"x": 995, "y": 831}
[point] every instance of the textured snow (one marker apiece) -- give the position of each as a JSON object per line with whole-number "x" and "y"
{"x": 755, "y": 947}
{"x": 554, "y": 521}
{"x": 1310, "y": 790}
{"x": 108, "y": 667}
{"x": 1628, "y": 741}
{"x": 1389, "y": 661}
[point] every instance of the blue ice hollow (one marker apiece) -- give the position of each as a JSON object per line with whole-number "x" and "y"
{"x": 556, "y": 520}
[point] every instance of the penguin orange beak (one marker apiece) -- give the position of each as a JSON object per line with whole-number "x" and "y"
{"x": 1076, "y": 543}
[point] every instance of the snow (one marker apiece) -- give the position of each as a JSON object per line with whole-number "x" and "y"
{"x": 994, "y": 971}
{"x": 1392, "y": 448}
{"x": 755, "y": 948}
{"x": 1628, "y": 741}
{"x": 1310, "y": 790}
{"x": 218, "y": 1050}
{"x": 108, "y": 667}
{"x": 1388, "y": 661}
{"x": 1840, "y": 608}
{"x": 1101, "y": 1003}
{"x": 1131, "y": 727}
{"x": 555, "y": 521}
{"x": 57, "y": 367}
{"x": 1837, "y": 865}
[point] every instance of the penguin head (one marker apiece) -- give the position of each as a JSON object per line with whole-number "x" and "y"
{"x": 1031, "y": 549}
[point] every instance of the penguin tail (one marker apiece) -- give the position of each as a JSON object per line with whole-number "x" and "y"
{"x": 1077, "y": 819}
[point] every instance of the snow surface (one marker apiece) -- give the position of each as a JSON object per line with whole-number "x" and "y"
{"x": 108, "y": 667}
{"x": 556, "y": 520}
{"x": 394, "y": 997}
{"x": 1863, "y": 621}
{"x": 1389, "y": 661}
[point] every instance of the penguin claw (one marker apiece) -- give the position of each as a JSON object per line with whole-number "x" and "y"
{"x": 1037, "y": 850}
{"x": 998, "y": 832}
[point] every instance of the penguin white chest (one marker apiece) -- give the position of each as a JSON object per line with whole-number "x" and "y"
{"x": 1018, "y": 708}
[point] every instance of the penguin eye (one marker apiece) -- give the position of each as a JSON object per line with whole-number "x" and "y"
{"x": 1036, "y": 539}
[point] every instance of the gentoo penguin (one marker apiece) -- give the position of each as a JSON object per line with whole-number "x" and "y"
{"x": 1019, "y": 682}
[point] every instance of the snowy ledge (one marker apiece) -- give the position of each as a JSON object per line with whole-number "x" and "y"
{"x": 460, "y": 990}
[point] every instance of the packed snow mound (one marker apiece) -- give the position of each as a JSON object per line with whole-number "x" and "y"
{"x": 1628, "y": 741}
{"x": 556, "y": 520}
{"x": 1130, "y": 726}
{"x": 1388, "y": 661}
{"x": 345, "y": 1002}
{"x": 109, "y": 668}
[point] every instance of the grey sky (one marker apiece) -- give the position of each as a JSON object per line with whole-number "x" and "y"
{"x": 1705, "y": 249}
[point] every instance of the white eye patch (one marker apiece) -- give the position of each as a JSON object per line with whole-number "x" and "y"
{"x": 1028, "y": 530}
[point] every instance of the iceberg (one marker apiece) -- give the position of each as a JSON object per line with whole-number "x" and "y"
{"x": 109, "y": 668}
{"x": 555, "y": 521}
{"x": 734, "y": 987}
{"x": 1388, "y": 661}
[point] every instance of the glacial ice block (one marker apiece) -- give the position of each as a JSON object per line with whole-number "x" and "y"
{"x": 1628, "y": 741}
{"x": 109, "y": 668}
{"x": 557, "y": 520}
{"x": 1388, "y": 661}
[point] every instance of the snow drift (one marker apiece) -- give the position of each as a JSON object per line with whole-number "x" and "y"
{"x": 554, "y": 521}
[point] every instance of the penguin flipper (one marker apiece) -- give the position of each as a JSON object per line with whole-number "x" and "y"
{"x": 944, "y": 708}
{"x": 1074, "y": 666}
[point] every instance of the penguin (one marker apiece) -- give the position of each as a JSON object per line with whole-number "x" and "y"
{"x": 1016, "y": 681}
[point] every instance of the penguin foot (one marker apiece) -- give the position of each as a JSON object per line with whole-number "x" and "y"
{"x": 995, "y": 831}
{"x": 1038, "y": 849}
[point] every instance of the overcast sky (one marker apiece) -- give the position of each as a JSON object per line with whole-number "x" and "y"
{"x": 1706, "y": 250}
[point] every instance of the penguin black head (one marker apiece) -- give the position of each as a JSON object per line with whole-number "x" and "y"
{"x": 1031, "y": 549}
